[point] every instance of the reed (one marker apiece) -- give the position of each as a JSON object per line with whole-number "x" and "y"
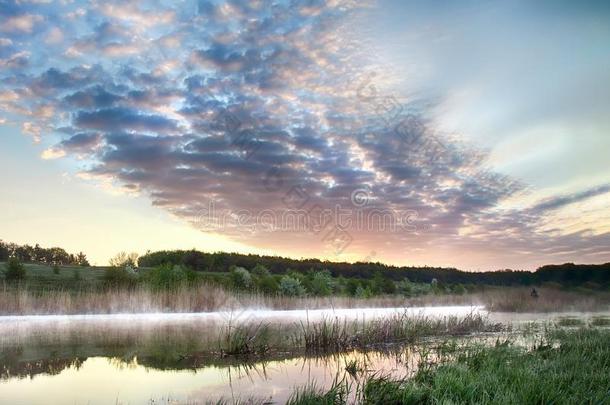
{"x": 550, "y": 299}
{"x": 575, "y": 369}
{"x": 340, "y": 335}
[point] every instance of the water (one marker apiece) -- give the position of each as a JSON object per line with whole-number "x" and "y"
{"x": 175, "y": 358}
{"x": 101, "y": 380}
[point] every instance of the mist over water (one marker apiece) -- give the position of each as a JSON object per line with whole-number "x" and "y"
{"x": 178, "y": 356}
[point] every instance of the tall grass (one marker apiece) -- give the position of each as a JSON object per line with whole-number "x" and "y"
{"x": 340, "y": 335}
{"x": 549, "y": 300}
{"x": 572, "y": 368}
{"x": 201, "y": 297}
{"x": 22, "y": 301}
{"x": 312, "y": 395}
{"x": 245, "y": 340}
{"x": 205, "y": 297}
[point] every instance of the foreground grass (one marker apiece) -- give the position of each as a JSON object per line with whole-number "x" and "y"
{"x": 572, "y": 367}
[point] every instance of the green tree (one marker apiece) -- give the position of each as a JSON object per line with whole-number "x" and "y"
{"x": 240, "y": 278}
{"x": 459, "y": 289}
{"x": 81, "y": 260}
{"x": 260, "y": 271}
{"x": 4, "y": 251}
{"x": 352, "y": 286}
{"x": 15, "y": 270}
{"x": 362, "y": 292}
{"x": 382, "y": 285}
{"x": 291, "y": 286}
{"x": 264, "y": 281}
{"x": 321, "y": 283}
{"x": 118, "y": 276}
{"x": 168, "y": 276}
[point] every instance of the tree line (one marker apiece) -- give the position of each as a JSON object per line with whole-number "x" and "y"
{"x": 568, "y": 274}
{"x": 564, "y": 274}
{"x": 37, "y": 254}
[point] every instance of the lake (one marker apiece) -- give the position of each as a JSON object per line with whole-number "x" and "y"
{"x": 176, "y": 358}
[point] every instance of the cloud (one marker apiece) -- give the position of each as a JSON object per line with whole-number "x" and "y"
{"x": 22, "y": 23}
{"x": 52, "y": 153}
{"x": 18, "y": 60}
{"x": 54, "y": 36}
{"x": 255, "y": 103}
{"x": 561, "y": 201}
{"x": 33, "y": 130}
{"x": 120, "y": 118}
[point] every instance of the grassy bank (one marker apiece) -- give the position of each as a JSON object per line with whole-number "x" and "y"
{"x": 202, "y": 297}
{"x": 73, "y": 289}
{"x": 207, "y": 297}
{"x": 567, "y": 367}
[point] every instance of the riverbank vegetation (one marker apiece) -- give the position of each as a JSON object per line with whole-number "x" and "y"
{"x": 36, "y": 280}
{"x": 565, "y": 367}
{"x": 46, "y": 289}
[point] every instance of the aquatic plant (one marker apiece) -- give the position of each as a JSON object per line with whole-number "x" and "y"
{"x": 576, "y": 369}
{"x": 336, "y": 335}
{"x": 244, "y": 339}
{"x": 310, "y": 394}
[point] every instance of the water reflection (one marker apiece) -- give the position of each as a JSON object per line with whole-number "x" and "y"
{"x": 175, "y": 358}
{"x": 169, "y": 358}
{"x": 148, "y": 378}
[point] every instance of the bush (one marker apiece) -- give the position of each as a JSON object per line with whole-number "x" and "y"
{"x": 406, "y": 288}
{"x": 240, "y": 278}
{"x": 363, "y": 292}
{"x": 15, "y": 271}
{"x": 291, "y": 286}
{"x": 459, "y": 289}
{"x": 268, "y": 285}
{"x": 351, "y": 286}
{"x": 168, "y": 276}
{"x": 264, "y": 281}
{"x": 260, "y": 271}
{"x": 119, "y": 277}
{"x": 321, "y": 283}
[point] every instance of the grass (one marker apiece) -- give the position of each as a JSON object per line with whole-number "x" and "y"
{"x": 245, "y": 340}
{"x": 312, "y": 395}
{"x": 82, "y": 290}
{"x": 572, "y": 367}
{"x": 336, "y": 335}
{"x": 202, "y": 298}
{"x": 600, "y": 321}
{"x": 550, "y": 299}
{"x": 570, "y": 322}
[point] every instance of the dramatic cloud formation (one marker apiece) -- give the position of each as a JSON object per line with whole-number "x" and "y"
{"x": 262, "y": 121}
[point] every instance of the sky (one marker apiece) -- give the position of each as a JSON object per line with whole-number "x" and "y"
{"x": 469, "y": 134}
